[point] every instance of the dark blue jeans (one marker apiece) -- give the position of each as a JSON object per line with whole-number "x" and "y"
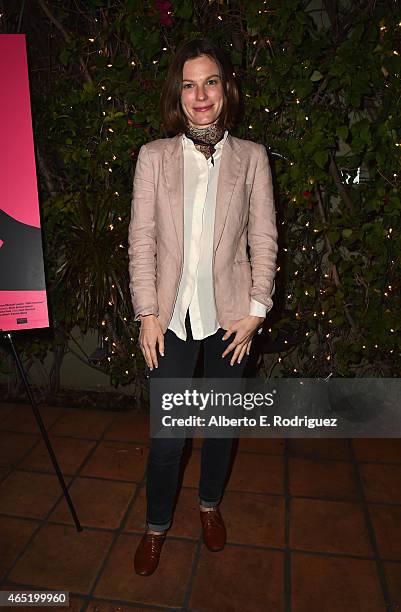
{"x": 165, "y": 454}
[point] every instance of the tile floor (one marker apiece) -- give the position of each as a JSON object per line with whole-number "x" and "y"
{"x": 313, "y": 524}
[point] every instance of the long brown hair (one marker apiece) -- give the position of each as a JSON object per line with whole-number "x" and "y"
{"x": 173, "y": 117}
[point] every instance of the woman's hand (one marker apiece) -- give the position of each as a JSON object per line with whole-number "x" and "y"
{"x": 244, "y": 330}
{"x": 151, "y": 333}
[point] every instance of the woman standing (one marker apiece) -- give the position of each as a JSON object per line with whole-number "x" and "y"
{"x": 200, "y": 198}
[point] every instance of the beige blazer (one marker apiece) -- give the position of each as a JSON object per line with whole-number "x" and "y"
{"x": 245, "y": 214}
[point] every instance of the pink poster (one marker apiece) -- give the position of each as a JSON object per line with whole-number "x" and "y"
{"x": 23, "y": 303}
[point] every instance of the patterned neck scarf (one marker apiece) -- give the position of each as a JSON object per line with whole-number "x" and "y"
{"x": 205, "y": 138}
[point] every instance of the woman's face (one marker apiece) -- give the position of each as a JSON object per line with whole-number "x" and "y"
{"x": 202, "y": 91}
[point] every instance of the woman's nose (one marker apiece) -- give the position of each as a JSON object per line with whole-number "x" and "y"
{"x": 201, "y": 94}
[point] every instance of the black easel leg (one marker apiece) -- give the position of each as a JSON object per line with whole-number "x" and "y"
{"x": 43, "y": 431}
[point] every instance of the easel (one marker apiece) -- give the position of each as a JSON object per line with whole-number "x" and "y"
{"x": 8, "y": 336}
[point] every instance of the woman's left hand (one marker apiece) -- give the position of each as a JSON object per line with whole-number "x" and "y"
{"x": 244, "y": 330}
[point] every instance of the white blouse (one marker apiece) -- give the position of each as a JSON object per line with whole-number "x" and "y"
{"x": 196, "y": 287}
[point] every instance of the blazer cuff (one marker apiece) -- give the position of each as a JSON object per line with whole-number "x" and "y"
{"x": 145, "y": 311}
{"x": 257, "y": 309}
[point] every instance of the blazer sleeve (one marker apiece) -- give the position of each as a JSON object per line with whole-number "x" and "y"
{"x": 142, "y": 239}
{"x": 262, "y": 233}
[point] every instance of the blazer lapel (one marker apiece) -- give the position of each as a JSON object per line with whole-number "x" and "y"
{"x": 173, "y": 166}
{"x": 230, "y": 164}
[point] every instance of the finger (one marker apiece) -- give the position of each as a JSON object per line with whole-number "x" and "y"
{"x": 161, "y": 344}
{"x": 148, "y": 359}
{"x": 152, "y": 349}
{"x": 248, "y": 347}
{"x": 236, "y": 354}
{"x": 229, "y": 348}
{"x": 242, "y": 353}
{"x": 237, "y": 340}
{"x": 229, "y": 332}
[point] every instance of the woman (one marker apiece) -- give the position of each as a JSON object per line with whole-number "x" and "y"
{"x": 199, "y": 199}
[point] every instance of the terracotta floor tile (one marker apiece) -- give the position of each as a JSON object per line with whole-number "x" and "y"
{"x": 238, "y": 579}
{"x": 14, "y": 446}
{"x": 254, "y": 519}
{"x": 29, "y": 494}
{"x": 381, "y": 482}
{"x": 334, "y": 584}
{"x": 393, "y": 576}
{"x": 136, "y": 520}
{"x": 22, "y": 418}
{"x": 320, "y": 448}
{"x": 5, "y": 410}
{"x": 75, "y": 603}
{"x": 129, "y": 427}
{"x": 165, "y": 587}
{"x": 59, "y": 557}
{"x": 3, "y": 472}
{"x": 271, "y": 446}
{"x": 314, "y": 478}
{"x": 186, "y": 521}
{"x": 14, "y": 534}
{"x": 104, "y": 606}
{"x": 257, "y": 473}
{"x": 99, "y": 503}
{"x": 386, "y": 522}
{"x": 377, "y": 449}
{"x": 328, "y": 526}
{"x": 119, "y": 460}
{"x": 83, "y": 423}
{"x": 70, "y": 454}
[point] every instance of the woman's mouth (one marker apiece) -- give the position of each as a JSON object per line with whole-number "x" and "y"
{"x": 203, "y": 109}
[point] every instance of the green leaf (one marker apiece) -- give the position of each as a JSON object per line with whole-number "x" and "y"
{"x": 342, "y": 131}
{"x": 320, "y": 158}
{"x": 64, "y": 56}
{"x": 316, "y": 75}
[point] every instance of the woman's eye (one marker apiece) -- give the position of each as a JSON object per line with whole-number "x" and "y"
{"x": 188, "y": 85}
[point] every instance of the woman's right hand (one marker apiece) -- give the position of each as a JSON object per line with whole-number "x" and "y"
{"x": 151, "y": 333}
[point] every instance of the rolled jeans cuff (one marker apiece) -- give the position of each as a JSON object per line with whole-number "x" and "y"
{"x": 156, "y": 527}
{"x": 208, "y": 504}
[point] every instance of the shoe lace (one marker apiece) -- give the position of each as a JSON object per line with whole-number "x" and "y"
{"x": 153, "y": 543}
{"x": 211, "y": 517}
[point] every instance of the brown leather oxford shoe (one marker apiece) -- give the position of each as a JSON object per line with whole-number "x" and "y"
{"x": 148, "y": 553}
{"x": 214, "y": 530}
